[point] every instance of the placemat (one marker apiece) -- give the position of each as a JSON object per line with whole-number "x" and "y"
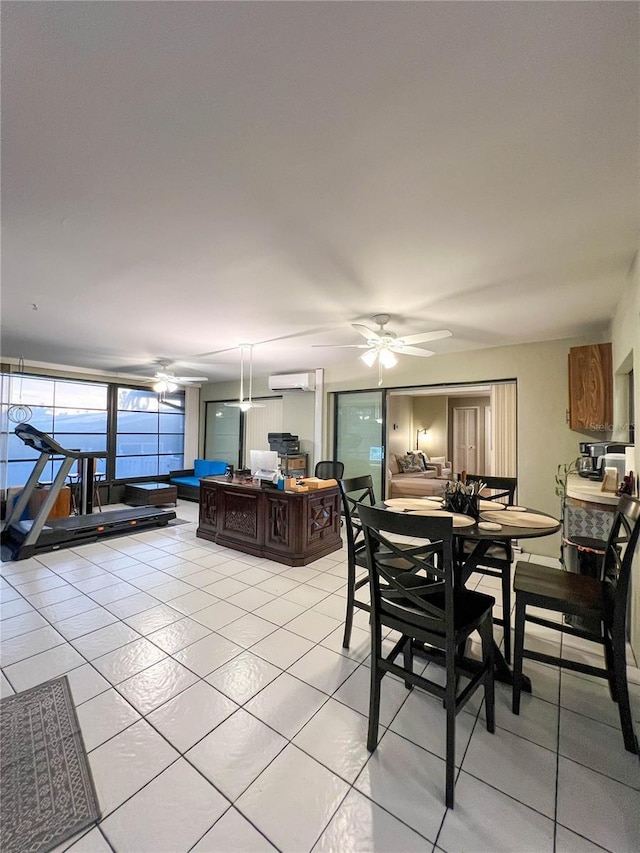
{"x": 47, "y": 793}
{"x": 490, "y": 505}
{"x": 408, "y": 503}
{"x": 459, "y": 520}
{"x": 520, "y": 519}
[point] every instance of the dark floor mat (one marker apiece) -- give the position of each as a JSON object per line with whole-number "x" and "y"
{"x": 46, "y": 789}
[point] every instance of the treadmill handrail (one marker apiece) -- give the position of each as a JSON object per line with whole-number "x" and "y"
{"x": 45, "y": 444}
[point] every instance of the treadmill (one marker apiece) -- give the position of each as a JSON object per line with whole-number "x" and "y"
{"x": 24, "y": 538}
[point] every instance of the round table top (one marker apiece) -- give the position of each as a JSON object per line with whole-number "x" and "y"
{"x": 506, "y": 531}
{"x": 511, "y": 531}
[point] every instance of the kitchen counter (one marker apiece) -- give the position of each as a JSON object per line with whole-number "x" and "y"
{"x": 589, "y": 491}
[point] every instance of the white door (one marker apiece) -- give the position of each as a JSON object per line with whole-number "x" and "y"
{"x": 465, "y": 439}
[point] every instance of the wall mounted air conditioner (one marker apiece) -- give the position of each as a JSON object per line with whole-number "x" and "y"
{"x": 292, "y": 382}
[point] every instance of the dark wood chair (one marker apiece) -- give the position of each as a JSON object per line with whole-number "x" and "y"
{"x": 598, "y": 601}
{"x": 497, "y": 561}
{"x": 413, "y": 592}
{"x": 355, "y": 492}
{"x": 329, "y": 469}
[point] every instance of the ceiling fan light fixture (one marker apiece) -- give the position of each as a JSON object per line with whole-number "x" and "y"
{"x": 164, "y": 386}
{"x": 369, "y": 357}
{"x": 387, "y": 358}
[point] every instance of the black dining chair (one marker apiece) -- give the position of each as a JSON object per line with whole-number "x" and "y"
{"x": 413, "y": 593}
{"x": 329, "y": 469}
{"x": 497, "y": 561}
{"x": 601, "y": 602}
{"x": 355, "y": 492}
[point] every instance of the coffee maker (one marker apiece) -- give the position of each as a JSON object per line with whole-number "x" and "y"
{"x": 590, "y": 463}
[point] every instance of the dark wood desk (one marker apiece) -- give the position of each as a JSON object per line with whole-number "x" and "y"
{"x": 294, "y": 528}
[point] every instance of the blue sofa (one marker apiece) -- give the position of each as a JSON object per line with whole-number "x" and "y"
{"x": 188, "y": 480}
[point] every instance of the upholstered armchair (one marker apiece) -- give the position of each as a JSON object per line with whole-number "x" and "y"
{"x": 441, "y": 465}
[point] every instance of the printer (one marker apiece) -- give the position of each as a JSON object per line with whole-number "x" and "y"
{"x": 283, "y": 443}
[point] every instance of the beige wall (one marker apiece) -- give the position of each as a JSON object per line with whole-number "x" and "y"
{"x": 431, "y": 413}
{"x": 400, "y": 414}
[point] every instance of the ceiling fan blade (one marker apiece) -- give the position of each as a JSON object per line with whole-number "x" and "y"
{"x": 403, "y": 350}
{"x": 426, "y": 336}
{"x": 343, "y": 346}
{"x": 366, "y": 332}
{"x": 181, "y": 379}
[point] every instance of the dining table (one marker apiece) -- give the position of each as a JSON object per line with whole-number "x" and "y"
{"x": 497, "y": 522}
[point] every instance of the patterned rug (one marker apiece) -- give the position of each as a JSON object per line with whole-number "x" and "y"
{"x": 46, "y": 789}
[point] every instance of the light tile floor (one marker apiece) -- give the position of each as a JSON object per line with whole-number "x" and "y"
{"x": 220, "y": 713}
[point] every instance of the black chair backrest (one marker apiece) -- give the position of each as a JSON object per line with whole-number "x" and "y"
{"x": 504, "y": 486}
{"x": 423, "y": 588}
{"x": 621, "y": 546}
{"x": 329, "y": 469}
{"x": 356, "y": 492}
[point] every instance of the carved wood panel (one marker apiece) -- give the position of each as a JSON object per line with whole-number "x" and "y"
{"x": 322, "y": 516}
{"x": 209, "y": 508}
{"x": 241, "y": 515}
{"x": 279, "y": 523}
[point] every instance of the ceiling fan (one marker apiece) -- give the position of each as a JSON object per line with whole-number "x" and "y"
{"x": 383, "y": 345}
{"x": 165, "y": 381}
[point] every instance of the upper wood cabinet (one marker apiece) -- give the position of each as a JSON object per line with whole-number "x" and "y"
{"x": 590, "y": 388}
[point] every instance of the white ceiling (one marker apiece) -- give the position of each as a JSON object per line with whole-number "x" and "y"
{"x": 180, "y": 178}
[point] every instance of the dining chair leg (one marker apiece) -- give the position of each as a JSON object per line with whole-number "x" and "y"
{"x": 351, "y": 594}
{"x": 506, "y": 612}
{"x": 517, "y": 654}
{"x": 450, "y": 701}
{"x": 407, "y": 654}
{"x": 610, "y": 667}
{"x": 374, "y": 691}
{"x": 486, "y": 635}
{"x": 622, "y": 689}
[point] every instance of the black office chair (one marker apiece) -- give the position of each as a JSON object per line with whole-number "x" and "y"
{"x": 497, "y": 561}
{"x": 355, "y": 492}
{"x": 597, "y": 601}
{"x": 329, "y": 469}
{"x": 422, "y": 604}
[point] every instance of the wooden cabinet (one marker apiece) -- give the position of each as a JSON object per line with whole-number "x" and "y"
{"x": 591, "y": 388}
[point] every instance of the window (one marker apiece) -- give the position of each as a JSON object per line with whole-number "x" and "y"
{"x": 74, "y": 413}
{"x": 141, "y": 431}
{"x": 149, "y": 433}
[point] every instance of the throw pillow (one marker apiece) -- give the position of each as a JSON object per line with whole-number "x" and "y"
{"x": 439, "y": 460}
{"x": 409, "y": 465}
{"x": 419, "y": 458}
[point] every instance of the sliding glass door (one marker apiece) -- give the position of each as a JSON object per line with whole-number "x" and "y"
{"x": 359, "y": 434}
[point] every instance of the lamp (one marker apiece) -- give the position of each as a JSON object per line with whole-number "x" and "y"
{"x": 422, "y": 430}
{"x": 242, "y": 404}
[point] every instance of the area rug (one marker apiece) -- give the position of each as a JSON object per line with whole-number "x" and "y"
{"x": 46, "y": 790}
